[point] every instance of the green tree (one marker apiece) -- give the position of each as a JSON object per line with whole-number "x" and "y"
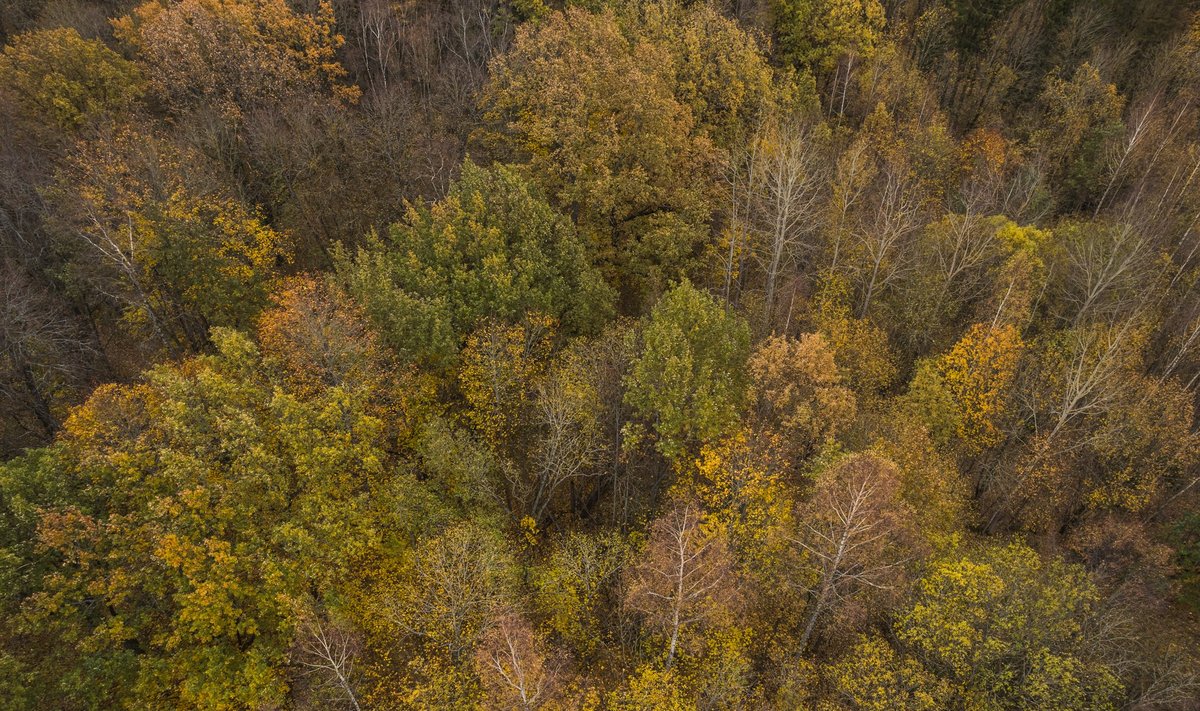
{"x": 823, "y": 35}
{"x": 32, "y": 657}
{"x": 492, "y": 248}
{"x": 819, "y": 33}
{"x": 689, "y": 382}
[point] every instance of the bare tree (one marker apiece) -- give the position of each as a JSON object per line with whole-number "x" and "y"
{"x": 1183, "y": 350}
{"x": 379, "y": 35}
{"x": 853, "y": 529}
{"x": 1105, "y": 269}
{"x": 458, "y": 583}
{"x": 685, "y": 577}
{"x": 41, "y": 350}
{"x": 791, "y": 189}
{"x": 515, "y": 666}
{"x": 325, "y": 651}
{"x": 884, "y": 232}
{"x": 852, "y": 178}
{"x": 741, "y": 187}
{"x": 568, "y": 446}
{"x": 1093, "y": 358}
{"x": 1171, "y": 680}
{"x": 1137, "y": 131}
{"x": 1080, "y": 376}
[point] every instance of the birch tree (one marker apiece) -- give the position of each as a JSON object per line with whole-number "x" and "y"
{"x": 684, "y": 580}
{"x": 853, "y": 529}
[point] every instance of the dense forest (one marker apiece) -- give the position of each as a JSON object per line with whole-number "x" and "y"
{"x": 600, "y": 354}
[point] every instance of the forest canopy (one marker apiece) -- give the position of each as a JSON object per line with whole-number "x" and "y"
{"x": 600, "y": 355}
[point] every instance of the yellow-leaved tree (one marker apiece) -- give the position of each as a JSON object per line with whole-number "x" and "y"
{"x": 62, "y": 79}
{"x": 146, "y": 225}
{"x": 963, "y": 393}
{"x": 235, "y": 55}
{"x": 226, "y": 498}
{"x": 798, "y": 392}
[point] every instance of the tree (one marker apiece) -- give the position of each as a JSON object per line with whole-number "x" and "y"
{"x": 689, "y": 380}
{"x": 541, "y": 416}
{"x": 148, "y": 229}
{"x": 329, "y": 173}
{"x": 1095, "y": 414}
{"x": 1082, "y": 372}
{"x": 964, "y": 392}
{"x": 604, "y": 362}
{"x": 651, "y": 688}
{"x": 268, "y": 52}
{"x": 1081, "y": 116}
{"x": 212, "y": 491}
{"x": 822, "y": 35}
{"x": 930, "y": 480}
{"x": 883, "y": 190}
{"x": 819, "y": 33}
{"x": 63, "y": 80}
{"x": 500, "y": 365}
{"x": 683, "y": 580}
{"x": 452, "y": 590}
{"x": 45, "y": 357}
{"x": 797, "y": 391}
{"x": 1102, "y": 271}
{"x": 969, "y": 265}
{"x": 492, "y": 248}
{"x": 1144, "y": 444}
{"x": 517, "y": 670}
{"x": 320, "y": 341}
{"x": 326, "y": 650}
{"x": 1005, "y": 627}
{"x": 612, "y": 118}
{"x": 855, "y": 531}
{"x": 576, "y": 587}
{"x": 789, "y": 179}
{"x": 1078, "y": 376}
{"x": 720, "y": 70}
{"x": 874, "y": 677}
{"x": 34, "y": 659}
{"x": 860, "y": 348}
{"x": 739, "y": 483}
{"x": 721, "y": 674}
{"x": 568, "y": 435}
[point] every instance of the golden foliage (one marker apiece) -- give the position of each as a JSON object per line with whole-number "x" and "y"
{"x": 798, "y": 392}
{"x": 268, "y": 52}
